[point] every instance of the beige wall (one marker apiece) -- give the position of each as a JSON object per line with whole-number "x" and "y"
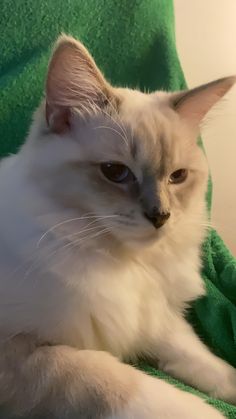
{"x": 206, "y": 42}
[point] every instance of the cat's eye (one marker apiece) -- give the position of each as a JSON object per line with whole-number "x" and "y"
{"x": 117, "y": 172}
{"x": 178, "y": 176}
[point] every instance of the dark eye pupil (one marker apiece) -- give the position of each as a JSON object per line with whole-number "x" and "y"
{"x": 116, "y": 172}
{"x": 178, "y": 176}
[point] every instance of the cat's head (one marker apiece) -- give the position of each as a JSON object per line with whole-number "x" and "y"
{"x": 130, "y": 159}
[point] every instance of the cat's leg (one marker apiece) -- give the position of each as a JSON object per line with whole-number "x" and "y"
{"x": 64, "y": 383}
{"x": 182, "y": 354}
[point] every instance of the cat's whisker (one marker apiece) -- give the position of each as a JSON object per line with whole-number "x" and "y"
{"x": 25, "y": 263}
{"x": 37, "y": 263}
{"x": 120, "y": 123}
{"x": 93, "y": 106}
{"x": 69, "y": 221}
{"x": 86, "y": 228}
{"x": 98, "y": 234}
{"x": 114, "y": 130}
{"x": 207, "y": 223}
{"x": 121, "y": 126}
{"x": 69, "y": 245}
{"x": 29, "y": 261}
{"x": 17, "y": 269}
{"x": 77, "y": 233}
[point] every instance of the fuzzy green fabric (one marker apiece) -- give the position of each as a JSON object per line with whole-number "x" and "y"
{"x": 133, "y": 41}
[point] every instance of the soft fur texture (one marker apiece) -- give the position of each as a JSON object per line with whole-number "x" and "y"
{"x": 83, "y": 270}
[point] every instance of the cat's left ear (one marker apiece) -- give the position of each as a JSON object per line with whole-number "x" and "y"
{"x": 73, "y": 82}
{"x": 193, "y": 105}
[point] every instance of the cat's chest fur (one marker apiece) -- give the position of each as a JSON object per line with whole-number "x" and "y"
{"x": 92, "y": 300}
{"x": 119, "y": 306}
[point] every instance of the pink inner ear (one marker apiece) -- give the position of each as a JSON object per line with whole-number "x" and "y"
{"x": 195, "y": 109}
{"x": 73, "y": 81}
{"x": 196, "y": 103}
{"x": 58, "y": 118}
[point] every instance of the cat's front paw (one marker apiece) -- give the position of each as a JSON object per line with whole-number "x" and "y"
{"x": 159, "y": 400}
{"x": 226, "y": 388}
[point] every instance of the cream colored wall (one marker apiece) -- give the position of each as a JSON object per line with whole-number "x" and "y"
{"x": 206, "y": 42}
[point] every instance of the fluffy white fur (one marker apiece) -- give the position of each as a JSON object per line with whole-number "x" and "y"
{"x": 75, "y": 275}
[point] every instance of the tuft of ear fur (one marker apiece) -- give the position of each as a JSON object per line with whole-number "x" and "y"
{"x": 193, "y": 105}
{"x": 73, "y": 81}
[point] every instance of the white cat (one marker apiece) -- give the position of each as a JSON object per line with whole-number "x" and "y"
{"x": 102, "y": 214}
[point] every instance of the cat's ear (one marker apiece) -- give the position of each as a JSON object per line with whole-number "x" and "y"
{"x": 73, "y": 81}
{"x": 193, "y": 105}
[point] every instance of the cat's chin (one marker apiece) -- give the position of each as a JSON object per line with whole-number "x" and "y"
{"x": 143, "y": 242}
{"x": 140, "y": 241}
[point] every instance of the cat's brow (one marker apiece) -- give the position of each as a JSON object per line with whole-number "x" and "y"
{"x": 114, "y": 130}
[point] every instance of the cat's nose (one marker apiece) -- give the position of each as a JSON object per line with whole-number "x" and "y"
{"x": 156, "y": 217}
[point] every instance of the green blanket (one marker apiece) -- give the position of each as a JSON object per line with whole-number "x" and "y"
{"x": 133, "y": 41}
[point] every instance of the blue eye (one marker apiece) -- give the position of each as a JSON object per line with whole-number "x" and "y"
{"x": 117, "y": 173}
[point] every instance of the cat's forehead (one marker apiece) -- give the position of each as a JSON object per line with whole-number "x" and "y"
{"x": 151, "y": 130}
{"x": 141, "y": 129}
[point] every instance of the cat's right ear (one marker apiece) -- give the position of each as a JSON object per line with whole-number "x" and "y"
{"x": 193, "y": 105}
{"x": 73, "y": 81}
